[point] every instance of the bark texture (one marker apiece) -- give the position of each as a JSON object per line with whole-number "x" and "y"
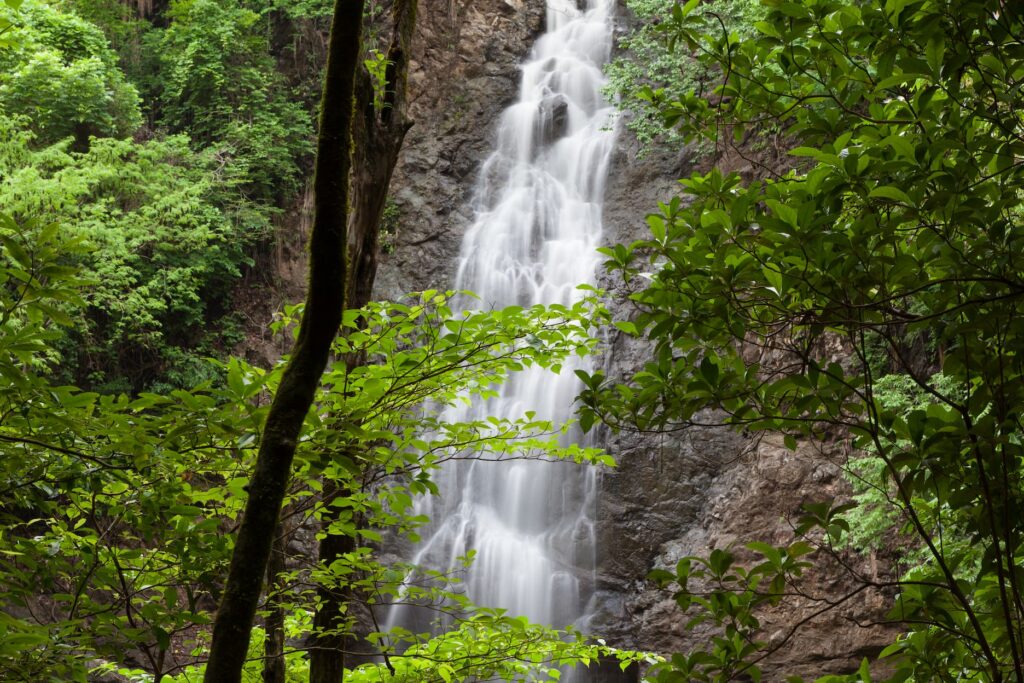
{"x": 378, "y": 134}
{"x": 321, "y": 318}
{"x": 378, "y": 131}
{"x": 273, "y": 624}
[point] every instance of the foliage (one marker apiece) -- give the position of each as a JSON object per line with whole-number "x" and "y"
{"x": 296, "y": 669}
{"x": 33, "y": 287}
{"x": 729, "y": 595}
{"x": 8, "y": 23}
{"x": 172, "y": 221}
{"x": 376, "y": 65}
{"x": 214, "y": 78}
{"x": 903, "y": 217}
{"x": 487, "y": 646}
{"x": 168, "y": 238}
{"x": 646, "y": 59}
{"x": 114, "y": 507}
{"x": 63, "y": 77}
{"x": 878, "y": 512}
{"x": 390, "y": 224}
{"x": 123, "y": 24}
{"x": 320, "y": 9}
{"x": 303, "y": 9}
{"x": 504, "y": 648}
{"x": 380, "y": 430}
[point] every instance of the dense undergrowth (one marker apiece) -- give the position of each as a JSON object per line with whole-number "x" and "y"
{"x": 169, "y": 140}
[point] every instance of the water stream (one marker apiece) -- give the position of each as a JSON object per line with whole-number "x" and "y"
{"x": 538, "y": 204}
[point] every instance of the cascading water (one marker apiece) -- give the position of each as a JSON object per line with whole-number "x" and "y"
{"x": 538, "y": 209}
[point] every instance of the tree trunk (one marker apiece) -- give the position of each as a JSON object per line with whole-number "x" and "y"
{"x": 273, "y": 646}
{"x": 321, "y": 318}
{"x": 378, "y": 137}
{"x": 327, "y": 656}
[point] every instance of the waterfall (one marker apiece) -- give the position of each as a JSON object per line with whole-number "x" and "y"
{"x": 538, "y": 205}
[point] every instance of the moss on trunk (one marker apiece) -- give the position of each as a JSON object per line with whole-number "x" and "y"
{"x": 325, "y": 302}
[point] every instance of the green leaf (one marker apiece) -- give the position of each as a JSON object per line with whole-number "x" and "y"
{"x": 889, "y": 192}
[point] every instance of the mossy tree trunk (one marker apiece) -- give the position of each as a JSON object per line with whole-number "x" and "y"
{"x": 273, "y": 624}
{"x": 321, "y": 318}
{"x": 378, "y": 132}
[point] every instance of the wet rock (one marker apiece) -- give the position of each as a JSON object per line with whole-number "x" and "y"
{"x": 464, "y": 75}
{"x": 552, "y": 122}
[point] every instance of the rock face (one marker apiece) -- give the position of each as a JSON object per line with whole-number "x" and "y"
{"x": 687, "y": 494}
{"x": 712, "y": 488}
{"x": 464, "y": 74}
{"x": 671, "y": 496}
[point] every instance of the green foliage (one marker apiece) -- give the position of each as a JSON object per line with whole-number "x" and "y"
{"x": 63, "y": 78}
{"x": 296, "y": 663}
{"x": 172, "y": 221}
{"x": 879, "y": 513}
{"x": 647, "y": 60}
{"x": 727, "y": 594}
{"x": 213, "y": 77}
{"x": 504, "y": 649}
{"x": 120, "y": 22}
{"x": 390, "y": 223}
{"x": 7, "y": 23}
{"x": 113, "y": 507}
{"x": 168, "y": 237}
{"x": 377, "y": 66}
{"x": 379, "y": 431}
{"x": 902, "y": 218}
{"x": 303, "y": 9}
{"x": 488, "y": 646}
{"x": 320, "y": 9}
{"x": 34, "y": 288}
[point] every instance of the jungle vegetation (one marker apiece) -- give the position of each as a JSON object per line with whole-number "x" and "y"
{"x": 894, "y": 231}
{"x": 149, "y": 151}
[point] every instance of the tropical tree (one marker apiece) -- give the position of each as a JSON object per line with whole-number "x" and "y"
{"x": 897, "y": 236}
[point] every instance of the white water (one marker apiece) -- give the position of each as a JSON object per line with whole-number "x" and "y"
{"x": 538, "y": 223}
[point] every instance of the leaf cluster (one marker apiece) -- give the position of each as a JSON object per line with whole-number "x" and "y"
{"x": 647, "y": 62}
{"x": 210, "y": 74}
{"x": 728, "y": 595}
{"x": 63, "y": 77}
{"x": 902, "y": 217}
{"x": 115, "y": 508}
{"x": 167, "y": 235}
